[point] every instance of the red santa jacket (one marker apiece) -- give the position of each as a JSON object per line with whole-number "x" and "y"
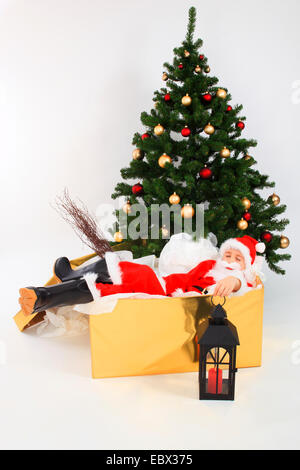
{"x": 132, "y": 277}
{"x": 196, "y": 279}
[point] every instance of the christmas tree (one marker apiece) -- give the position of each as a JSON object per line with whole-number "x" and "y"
{"x": 192, "y": 151}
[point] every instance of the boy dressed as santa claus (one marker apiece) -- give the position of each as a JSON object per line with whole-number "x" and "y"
{"x": 198, "y": 268}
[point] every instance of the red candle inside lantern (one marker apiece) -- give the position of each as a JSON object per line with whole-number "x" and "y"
{"x": 212, "y": 381}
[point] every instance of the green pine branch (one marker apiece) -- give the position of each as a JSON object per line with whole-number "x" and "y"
{"x": 191, "y": 25}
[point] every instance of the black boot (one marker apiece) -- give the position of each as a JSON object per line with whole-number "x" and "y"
{"x": 64, "y": 271}
{"x": 38, "y": 299}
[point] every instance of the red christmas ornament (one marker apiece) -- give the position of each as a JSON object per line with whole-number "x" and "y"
{"x": 240, "y": 125}
{"x": 266, "y": 237}
{"x": 205, "y": 173}
{"x": 180, "y": 66}
{"x": 137, "y": 189}
{"x": 247, "y": 216}
{"x": 167, "y": 97}
{"x": 144, "y": 136}
{"x": 185, "y": 131}
{"x": 201, "y": 56}
{"x": 207, "y": 97}
{"x": 229, "y": 108}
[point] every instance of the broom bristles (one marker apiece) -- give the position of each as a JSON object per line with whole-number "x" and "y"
{"x": 83, "y": 223}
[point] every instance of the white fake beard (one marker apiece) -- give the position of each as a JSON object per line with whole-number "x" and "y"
{"x": 223, "y": 269}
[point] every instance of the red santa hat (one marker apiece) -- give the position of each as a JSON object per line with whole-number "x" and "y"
{"x": 248, "y": 246}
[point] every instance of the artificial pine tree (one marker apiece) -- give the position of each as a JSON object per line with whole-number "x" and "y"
{"x": 193, "y": 146}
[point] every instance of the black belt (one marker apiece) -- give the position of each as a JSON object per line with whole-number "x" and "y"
{"x": 201, "y": 289}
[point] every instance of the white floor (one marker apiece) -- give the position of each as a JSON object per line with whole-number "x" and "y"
{"x": 49, "y": 401}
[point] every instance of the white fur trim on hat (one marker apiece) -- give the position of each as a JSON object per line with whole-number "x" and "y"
{"x": 90, "y": 279}
{"x": 236, "y": 245}
{"x": 112, "y": 262}
{"x": 260, "y": 247}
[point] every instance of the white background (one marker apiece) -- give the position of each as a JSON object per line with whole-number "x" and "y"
{"x": 74, "y": 77}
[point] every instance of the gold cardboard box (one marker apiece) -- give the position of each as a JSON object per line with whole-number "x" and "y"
{"x": 157, "y": 336}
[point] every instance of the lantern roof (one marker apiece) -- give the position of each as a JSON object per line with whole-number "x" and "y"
{"x": 218, "y": 330}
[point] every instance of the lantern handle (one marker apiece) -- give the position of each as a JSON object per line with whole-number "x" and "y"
{"x": 211, "y": 299}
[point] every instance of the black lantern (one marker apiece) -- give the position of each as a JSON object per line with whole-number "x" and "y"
{"x": 218, "y": 339}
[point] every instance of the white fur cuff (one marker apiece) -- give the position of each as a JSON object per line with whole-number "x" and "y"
{"x": 112, "y": 262}
{"x": 90, "y": 279}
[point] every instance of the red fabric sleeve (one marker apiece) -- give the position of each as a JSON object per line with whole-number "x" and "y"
{"x": 176, "y": 281}
{"x": 195, "y": 277}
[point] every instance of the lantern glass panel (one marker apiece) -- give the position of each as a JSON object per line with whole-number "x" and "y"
{"x": 217, "y": 371}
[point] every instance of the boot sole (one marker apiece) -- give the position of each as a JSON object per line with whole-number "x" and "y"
{"x": 27, "y": 300}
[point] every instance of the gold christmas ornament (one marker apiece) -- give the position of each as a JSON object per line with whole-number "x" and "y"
{"x": 159, "y": 129}
{"x": 118, "y": 237}
{"x": 187, "y": 211}
{"x": 165, "y": 76}
{"x": 186, "y": 53}
{"x": 284, "y": 241}
{"x": 209, "y": 129}
{"x": 207, "y": 69}
{"x": 198, "y": 69}
{"x": 221, "y": 93}
{"x": 127, "y": 208}
{"x": 174, "y": 199}
{"x": 246, "y": 203}
{"x": 247, "y": 157}
{"x": 137, "y": 154}
{"x": 275, "y": 199}
{"x": 163, "y": 159}
{"x": 164, "y": 231}
{"x": 242, "y": 224}
{"x": 186, "y": 100}
{"x": 156, "y": 104}
{"x": 225, "y": 152}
